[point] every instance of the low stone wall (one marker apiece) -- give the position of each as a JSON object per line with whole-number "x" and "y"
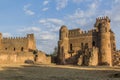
{"x": 20, "y": 57}
{"x": 43, "y": 59}
{"x": 15, "y": 57}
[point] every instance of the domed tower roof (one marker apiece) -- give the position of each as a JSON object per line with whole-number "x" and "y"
{"x": 63, "y": 27}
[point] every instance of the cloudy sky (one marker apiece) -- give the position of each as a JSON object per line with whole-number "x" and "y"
{"x": 44, "y": 18}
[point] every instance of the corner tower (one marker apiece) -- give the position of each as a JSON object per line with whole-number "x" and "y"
{"x": 31, "y": 42}
{"x": 63, "y": 44}
{"x": 103, "y": 27}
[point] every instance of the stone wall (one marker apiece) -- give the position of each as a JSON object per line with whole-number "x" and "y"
{"x": 20, "y": 57}
{"x": 15, "y": 57}
{"x": 43, "y": 59}
{"x": 18, "y": 43}
{"x": 94, "y": 57}
{"x": 116, "y": 58}
{"x": 75, "y": 40}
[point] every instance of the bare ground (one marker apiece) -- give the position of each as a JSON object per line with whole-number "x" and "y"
{"x": 56, "y": 72}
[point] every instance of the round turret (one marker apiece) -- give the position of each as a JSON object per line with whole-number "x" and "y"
{"x": 63, "y": 45}
{"x": 105, "y": 56}
{"x": 63, "y": 32}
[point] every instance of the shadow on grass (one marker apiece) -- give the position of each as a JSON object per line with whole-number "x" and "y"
{"x": 38, "y": 72}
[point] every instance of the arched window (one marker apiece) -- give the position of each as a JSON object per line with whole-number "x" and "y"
{"x": 86, "y": 45}
{"x": 14, "y": 49}
{"x": 105, "y": 29}
{"x": 93, "y": 43}
{"x": 22, "y": 48}
{"x": 66, "y": 35}
{"x": 81, "y": 45}
{"x": 71, "y": 47}
{"x": 5, "y": 48}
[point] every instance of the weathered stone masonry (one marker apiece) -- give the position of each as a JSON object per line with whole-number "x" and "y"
{"x": 17, "y": 43}
{"x": 20, "y": 49}
{"x": 94, "y": 47}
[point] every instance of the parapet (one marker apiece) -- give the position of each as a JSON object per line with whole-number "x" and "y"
{"x": 14, "y": 38}
{"x": 105, "y": 18}
{"x": 78, "y": 32}
{"x": 19, "y": 38}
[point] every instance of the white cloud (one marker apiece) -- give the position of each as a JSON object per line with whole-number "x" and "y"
{"x": 47, "y": 36}
{"x": 42, "y": 21}
{"x": 7, "y": 34}
{"x": 27, "y": 10}
{"x": 30, "y": 29}
{"x": 93, "y": 5}
{"x": 78, "y": 14}
{"x": 91, "y": 11}
{"x": 45, "y": 39}
{"x": 61, "y": 4}
{"x": 52, "y": 24}
{"x": 45, "y": 9}
{"x": 117, "y": 1}
{"x": 78, "y": 1}
{"x": 54, "y": 21}
{"x": 45, "y": 2}
{"x": 83, "y": 18}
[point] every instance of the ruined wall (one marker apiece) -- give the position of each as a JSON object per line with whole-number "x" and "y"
{"x": 7, "y": 57}
{"x": 43, "y": 59}
{"x": 112, "y": 40}
{"x": 116, "y": 58}
{"x": 93, "y": 61}
{"x": 15, "y": 57}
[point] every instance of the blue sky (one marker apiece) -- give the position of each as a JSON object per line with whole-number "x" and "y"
{"x": 44, "y": 18}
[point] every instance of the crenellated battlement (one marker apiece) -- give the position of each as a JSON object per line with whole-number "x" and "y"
{"x": 105, "y": 18}
{"x": 78, "y": 43}
{"x": 79, "y": 33}
{"x": 18, "y": 43}
{"x": 14, "y": 38}
{"x": 18, "y": 38}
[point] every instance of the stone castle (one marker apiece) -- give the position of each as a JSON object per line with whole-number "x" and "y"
{"x": 92, "y": 48}
{"x": 20, "y": 49}
{"x": 18, "y": 43}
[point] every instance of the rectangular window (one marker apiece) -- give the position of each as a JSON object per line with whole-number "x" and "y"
{"x": 71, "y": 47}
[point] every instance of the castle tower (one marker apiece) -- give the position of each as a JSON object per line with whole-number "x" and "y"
{"x": 103, "y": 27}
{"x": 31, "y": 42}
{"x": 63, "y": 45}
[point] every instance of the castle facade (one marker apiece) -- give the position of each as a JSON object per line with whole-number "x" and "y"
{"x": 17, "y": 43}
{"x": 93, "y": 47}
